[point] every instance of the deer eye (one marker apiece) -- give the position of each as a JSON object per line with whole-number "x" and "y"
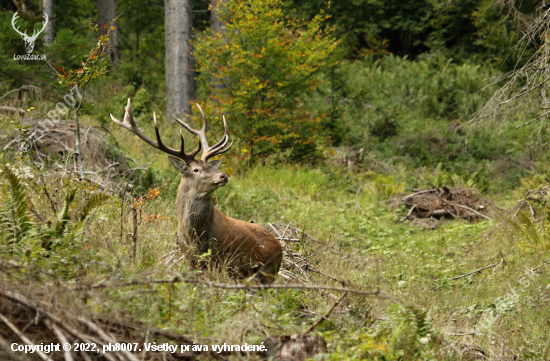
{"x": 196, "y": 170}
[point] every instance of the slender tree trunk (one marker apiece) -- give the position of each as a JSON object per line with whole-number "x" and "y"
{"x": 106, "y": 13}
{"x": 79, "y": 146}
{"x": 47, "y": 8}
{"x": 216, "y": 24}
{"x": 180, "y": 65}
{"x": 217, "y": 27}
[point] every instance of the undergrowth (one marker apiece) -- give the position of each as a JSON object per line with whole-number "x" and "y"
{"x": 85, "y": 235}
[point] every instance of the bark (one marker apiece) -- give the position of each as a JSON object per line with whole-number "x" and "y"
{"x": 106, "y": 13}
{"x": 216, "y": 24}
{"x": 78, "y": 146}
{"x": 47, "y": 8}
{"x": 180, "y": 65}
{"x": 217, "y": 27}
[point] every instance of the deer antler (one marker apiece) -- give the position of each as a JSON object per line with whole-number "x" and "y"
{"x": 209, "y": 151}
{"x": 130, "y": 124}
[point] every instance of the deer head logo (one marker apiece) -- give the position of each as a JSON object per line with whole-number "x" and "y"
{"x": 31, "y": 20}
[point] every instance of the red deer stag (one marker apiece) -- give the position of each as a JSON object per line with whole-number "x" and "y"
{"x": 247, "y": 246}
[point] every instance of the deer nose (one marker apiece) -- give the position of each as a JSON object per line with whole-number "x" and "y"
{"x": 224, "y": 177}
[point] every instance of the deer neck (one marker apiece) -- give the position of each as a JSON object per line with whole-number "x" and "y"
{"x": 195, "y": 215}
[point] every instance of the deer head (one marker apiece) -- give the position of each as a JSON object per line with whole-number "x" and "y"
{"x": 200, "y": 176}
{"x": 29, "y": 40}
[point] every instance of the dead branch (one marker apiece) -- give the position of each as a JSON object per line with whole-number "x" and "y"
{"x": 376, "y": 293}
{"x": 12, "y": 110}
{"x": 24, "y": 338}
{"x": 32, "y": 88}
{"x": 326, "y": 315}
{"x": 476, "y": 271}
{"x": 473, "y": 211}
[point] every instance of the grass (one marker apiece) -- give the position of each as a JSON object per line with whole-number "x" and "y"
{"x": 414, "y": 264}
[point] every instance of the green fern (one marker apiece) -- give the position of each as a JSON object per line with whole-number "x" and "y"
{"x": 63, "y": 218}
{"x": 527, "y": 228}
{"x": 423, "y": 327}
{"x": 93, "y": 202}
{"x": 14, "y": 218}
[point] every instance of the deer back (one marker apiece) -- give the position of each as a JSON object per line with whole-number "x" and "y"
{"x": 249, "y": 245}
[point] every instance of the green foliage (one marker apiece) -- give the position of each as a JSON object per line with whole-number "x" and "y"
{"x": 407, "y": 336}
{"x": 463, "y": 29}
{"x": 66, "y": 50}
{"x": 94, "y": 66}
{"x": 22, "y": 230}
{"x": 13, "y": 216}
{"x": 264, "y": 67}
{"x": 63, "y": 217}
{"x": 95, "y": 200}
{"x": 142, "y": 57}
{"x": 532, "y": 235}
{"x": 403, "y": 93}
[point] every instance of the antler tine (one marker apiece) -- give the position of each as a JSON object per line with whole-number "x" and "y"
{"x": 225, "y": 136}
{"x": 225, "y": 150}
{"x": 130, "y": 125}
{"x": 193, "y": 153}
{"x": 208, "y": 151}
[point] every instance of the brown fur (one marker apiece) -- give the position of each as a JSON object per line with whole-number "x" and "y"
{"x": 248, "y": 247}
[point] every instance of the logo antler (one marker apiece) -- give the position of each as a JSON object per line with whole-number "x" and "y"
{"x": 29, "y": 40}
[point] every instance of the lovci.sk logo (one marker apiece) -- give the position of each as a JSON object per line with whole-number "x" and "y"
{"x": 29, "y": 40}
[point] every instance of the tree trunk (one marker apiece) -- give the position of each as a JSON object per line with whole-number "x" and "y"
{"x": 216, "y": 24}
{"x": 79, "y": 146}
{"x": 217, "y": 28}
{"x": 106, "y": 13}
{"x": 180, "y": 65}
{"x": 47, "y": 8}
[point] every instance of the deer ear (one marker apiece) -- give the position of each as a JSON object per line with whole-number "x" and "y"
{"x": 216, "y": 163}
{"x": 178, "y": 164}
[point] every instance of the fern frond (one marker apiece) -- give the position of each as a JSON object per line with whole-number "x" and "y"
{"x": 423, "y": 327}
{"x": 14, "y": 217}
{"x": 63, "y": 217}
{"x": 530, "y": 228}
{"x": 95, "y": 201}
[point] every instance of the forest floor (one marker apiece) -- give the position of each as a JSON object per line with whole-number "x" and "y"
{"x": 347, "y": 232}
{"x": 458, "y": 290}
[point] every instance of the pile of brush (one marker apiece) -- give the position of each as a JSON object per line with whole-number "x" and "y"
{"x": 295, "y": 267}
{"x": 34, "y": 314}
{"x": 437, "y": 204}
{"x": 535, "y": 201}
{"x": 50, "y": 142}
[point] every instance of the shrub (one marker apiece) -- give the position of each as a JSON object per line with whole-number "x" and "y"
{"x": 264, "y": 67}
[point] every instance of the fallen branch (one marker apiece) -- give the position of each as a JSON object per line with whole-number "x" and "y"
{"x": 101, "y": 329}
{"x": 32, "y": 88}
{"x": 12, "y": 109}
{"x": 376, "y": 293}
{"x": 417, "y": 193}
{"x": 61, "y": 337}
{"x": 471, "y": 210}
{"x": 476, "y": 271}
{"x": 326, "y": 315}
{"x": 24, "y": 338}
{"x": 409, "y": 214}
{"x": 542, "y": 265}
